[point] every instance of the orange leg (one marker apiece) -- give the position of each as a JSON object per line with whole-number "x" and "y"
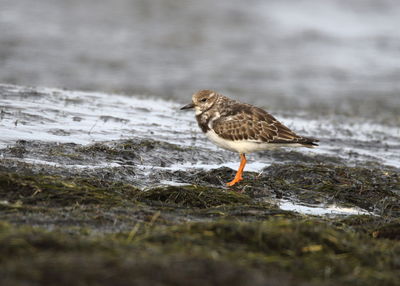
{"x": 238, "y": 176}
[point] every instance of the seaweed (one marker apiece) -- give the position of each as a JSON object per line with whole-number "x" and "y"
{"x": 371, "y": 189}
{"x": 58, "y": 191}
{"x": 192, "y": 196}
{"x": 289, "y": 251}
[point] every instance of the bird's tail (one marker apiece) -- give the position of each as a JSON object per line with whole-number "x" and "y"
{"x": 308, "y": 142}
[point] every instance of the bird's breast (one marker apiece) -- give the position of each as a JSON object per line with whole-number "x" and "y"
{"x": 206, "y": 120}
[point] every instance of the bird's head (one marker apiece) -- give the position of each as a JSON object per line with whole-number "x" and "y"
{"x": 202, "y": 100}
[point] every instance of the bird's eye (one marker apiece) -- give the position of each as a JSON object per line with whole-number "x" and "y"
{"x": 204, "y": 100}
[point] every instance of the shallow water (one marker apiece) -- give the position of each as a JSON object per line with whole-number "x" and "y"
{"x": 321, "y": 210}
{"x": 83, "y": 118}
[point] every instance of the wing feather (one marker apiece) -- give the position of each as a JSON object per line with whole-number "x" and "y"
{"x": 246, "y": 122}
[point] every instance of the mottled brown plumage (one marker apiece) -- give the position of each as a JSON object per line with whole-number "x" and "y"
{"x": 246, "y": 122}
{"x": 241, "y": 127}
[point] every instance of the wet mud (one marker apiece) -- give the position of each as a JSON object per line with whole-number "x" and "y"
{"x": 154, "y": 209}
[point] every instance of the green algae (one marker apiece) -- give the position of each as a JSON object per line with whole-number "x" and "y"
{"x": 58, "y": 191}
{"x": 303, "y": 249}
{"x": 46, "y": 258}
{"x": 374, "y": 226}
{"x": 245, "y": 212}
{"x": 389, "y": 231}
{"x": 192, "y": 196}
{"x": 309, "y": 249}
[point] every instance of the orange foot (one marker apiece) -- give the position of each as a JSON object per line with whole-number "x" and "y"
{"x": 234, "y": 181}
{"x": 238, "y": 176}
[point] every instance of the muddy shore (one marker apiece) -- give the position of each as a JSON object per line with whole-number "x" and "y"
{"x": 98, "y": 197}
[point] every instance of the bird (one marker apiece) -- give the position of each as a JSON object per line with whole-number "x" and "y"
{"x": 241, "y": 127}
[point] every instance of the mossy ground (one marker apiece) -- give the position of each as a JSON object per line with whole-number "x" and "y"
{"x": 97, "y": 227}
{"x": 220, "y": 252}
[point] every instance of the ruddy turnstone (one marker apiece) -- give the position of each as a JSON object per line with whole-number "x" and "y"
{"x": 241, "y": 127}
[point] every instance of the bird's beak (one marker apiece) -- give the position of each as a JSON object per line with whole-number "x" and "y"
{"x": 188, "y": 106}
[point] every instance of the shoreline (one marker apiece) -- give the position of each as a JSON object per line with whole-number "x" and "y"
{"x": 122, "y": 209}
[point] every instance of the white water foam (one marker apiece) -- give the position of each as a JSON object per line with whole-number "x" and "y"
{"x": 321, "y": 210}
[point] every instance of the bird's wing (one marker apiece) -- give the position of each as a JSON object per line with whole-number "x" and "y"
{"x": 247, "y": 122}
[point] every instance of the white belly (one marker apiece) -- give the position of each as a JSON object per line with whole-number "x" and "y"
{"x": 244, "y": 146}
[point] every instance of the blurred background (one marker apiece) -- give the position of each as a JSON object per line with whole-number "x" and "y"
{"x": 337, "y": 56}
